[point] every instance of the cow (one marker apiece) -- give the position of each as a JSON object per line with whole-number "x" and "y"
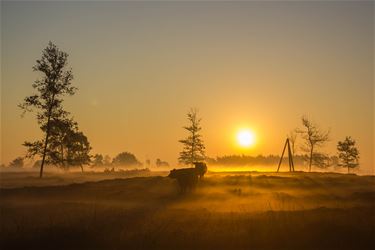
{"x": 201, "y": 168}
{"x": 187, "y": 178}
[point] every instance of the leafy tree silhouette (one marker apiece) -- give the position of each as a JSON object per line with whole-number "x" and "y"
{"x": 125, "y": 159}
{"x": 16, "y": 163}
{"x": 98, "y": 160}
{"x": 348, "y": 153}
{"x": 160, "y": 163}
{"x": 67, "y": 145}
{"x": 193, "y": 146}
{"x": 54, "y": 84}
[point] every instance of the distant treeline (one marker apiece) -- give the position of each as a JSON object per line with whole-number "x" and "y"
{"x": 247, "y": 160}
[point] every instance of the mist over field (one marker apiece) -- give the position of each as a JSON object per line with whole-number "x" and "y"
{"x": 227, "y": 210}
{"x": 187, "y": 125}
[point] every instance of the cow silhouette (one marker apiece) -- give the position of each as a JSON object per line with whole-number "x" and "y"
{"x": 201, "y": 168}
{"x": 187, "y": 178}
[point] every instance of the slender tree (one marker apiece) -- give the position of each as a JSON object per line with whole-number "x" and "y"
{"x": 314, "y": 137}
{"x": 193, "y": 146}
{"x": 348, "y": 153}
{"x": 292, "y": 136}
{"x": 54, "y": 84}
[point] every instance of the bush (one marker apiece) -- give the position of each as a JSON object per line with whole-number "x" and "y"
{"x": 126, "y": 159}
{"x": 16, "y": 163}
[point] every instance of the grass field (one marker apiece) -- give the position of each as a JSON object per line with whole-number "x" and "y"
{"x": 226, "y": 211}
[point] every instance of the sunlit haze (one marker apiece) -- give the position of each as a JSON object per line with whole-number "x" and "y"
{"x": 140, "y": 66}
{"x": 196, "y": 124}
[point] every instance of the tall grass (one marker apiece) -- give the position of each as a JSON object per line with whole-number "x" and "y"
{"x": 258, "y": 211}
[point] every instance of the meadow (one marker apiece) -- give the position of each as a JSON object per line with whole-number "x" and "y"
{"x": 231, "y": 210}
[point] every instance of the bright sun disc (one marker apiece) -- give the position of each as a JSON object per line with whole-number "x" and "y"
{"x": 245, "y": 138}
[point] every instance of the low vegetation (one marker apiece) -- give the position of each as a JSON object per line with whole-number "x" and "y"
{"x": 247, "y": 210}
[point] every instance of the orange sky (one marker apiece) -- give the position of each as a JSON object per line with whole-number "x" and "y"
{"x": 139, "y": 68}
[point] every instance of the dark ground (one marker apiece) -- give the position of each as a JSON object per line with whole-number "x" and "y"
{"x": 226, "y": 211}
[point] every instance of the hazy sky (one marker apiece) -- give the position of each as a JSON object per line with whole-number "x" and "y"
{"x": 140, "y": 66}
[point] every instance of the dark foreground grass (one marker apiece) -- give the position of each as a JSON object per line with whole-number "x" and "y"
{"x": 223, "y": 213}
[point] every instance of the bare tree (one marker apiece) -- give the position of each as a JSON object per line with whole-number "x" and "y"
{"x": 54, "y": 84}
{"x": 292, "y": 136}
{"x": 194, "y": 149}
{"x": 348, "y": 153}
{"x": 313, "y": 137}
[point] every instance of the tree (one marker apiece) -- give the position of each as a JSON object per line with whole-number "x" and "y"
{"x": 160, "y": 163}
{"x": 314, "y": 137}
{"x": 98, "y": 160}
{"x": 61, "y": 132}
{"x": 125, "y": 159}
{"x": 292, "y": 139}
{"x": 348, "y": 153}
{"x": 321, "y": 160}
{"x": 107, "y": 160}
{"x": 55, "y": 83}
{"x": 37, "y": 164}
{"x": 334, "y": 161}
{"x": 193, "y": 146}
{"x": 67, "y": 145}
{"x": 148, "y": 163}
{"x": 78, "y": 149}
{"x": 16, "y": 163}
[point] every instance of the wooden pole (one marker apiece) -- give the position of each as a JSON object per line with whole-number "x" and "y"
{"x": 282, "y": 155}
{"x": 290, "y": 157}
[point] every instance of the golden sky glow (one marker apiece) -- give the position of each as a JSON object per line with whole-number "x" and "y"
{"x": 140, "y": 66}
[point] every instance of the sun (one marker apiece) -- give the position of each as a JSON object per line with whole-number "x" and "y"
{"x": 246, "y": 138}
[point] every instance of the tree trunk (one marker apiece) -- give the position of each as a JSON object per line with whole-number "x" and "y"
{"x": 62, "y": 156}
{"x": 193, "y": 149}
{"x": 281, "y": 158}
{"x": 47, "y": 135}
{"x": 311, "y": 155}
{"x": 44, "y": 151}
